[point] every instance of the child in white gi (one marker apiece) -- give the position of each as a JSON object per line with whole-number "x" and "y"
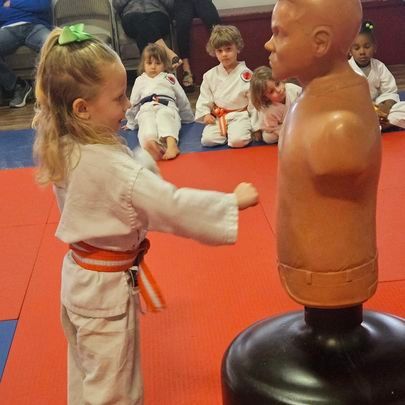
{"x": 158, "y": 103}
{"x": 108, "y": 202}
{"x": 383, "y": 88}
{"x": 271, "y": 99}
{"x": 223, "y": 102}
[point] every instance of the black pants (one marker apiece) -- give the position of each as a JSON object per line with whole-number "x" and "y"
{"x": 146, "y": 28}
{"x": 184, "y": 12}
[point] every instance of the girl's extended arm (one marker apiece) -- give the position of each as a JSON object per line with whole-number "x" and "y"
{"x": 210, "y": 217}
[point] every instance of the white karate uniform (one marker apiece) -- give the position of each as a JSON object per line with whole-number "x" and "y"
{"x": 229, "y": 91}
{"x": 155, "y": 120}
{"x": 110, "y": 201}
{"x": 269, "y": 119}
{"x": 383, "y": 87}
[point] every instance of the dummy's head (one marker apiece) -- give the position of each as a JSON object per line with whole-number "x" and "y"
{"x": 310, "y": 36}
{"x": 364, "y": 45}
{"x": 264, "y": 89}
{"x": 154, "y": 60}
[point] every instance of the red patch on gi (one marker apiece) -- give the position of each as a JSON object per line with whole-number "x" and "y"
{"x": 246, "y": 75}
{"x": 171, "y": 79}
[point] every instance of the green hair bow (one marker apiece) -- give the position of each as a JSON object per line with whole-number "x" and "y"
{"x": 73, "y": 33}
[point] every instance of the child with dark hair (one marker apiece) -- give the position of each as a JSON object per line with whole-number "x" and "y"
{"x": 158, "y": 104}
{"x": 383, "y": 88}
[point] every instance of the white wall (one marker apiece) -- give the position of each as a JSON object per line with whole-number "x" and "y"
{"x": 222, "y": 4}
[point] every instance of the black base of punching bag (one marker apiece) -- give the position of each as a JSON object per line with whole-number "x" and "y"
{"x": 318, "y": 357}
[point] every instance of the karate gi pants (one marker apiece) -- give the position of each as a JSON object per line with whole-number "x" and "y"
{"x": 104, "y": 358}
{"x": 158, "y": 121}
{"x": 238, "y": 128}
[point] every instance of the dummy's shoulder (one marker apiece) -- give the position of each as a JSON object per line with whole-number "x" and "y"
{"x": 343, "y": 145}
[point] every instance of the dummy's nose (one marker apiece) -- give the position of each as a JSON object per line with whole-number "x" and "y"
{"x": 269, "y": 45}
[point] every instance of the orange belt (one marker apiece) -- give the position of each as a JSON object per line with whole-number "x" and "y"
{"x": 220, "y": 113}
{"x": 95, "y": 259}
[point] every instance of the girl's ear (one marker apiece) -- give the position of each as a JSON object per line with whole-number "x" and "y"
{"x": 80, "y": 108}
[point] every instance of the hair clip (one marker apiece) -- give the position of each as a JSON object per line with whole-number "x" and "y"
{"x": 369, "y": 25}
{"x": 73, "y": 33}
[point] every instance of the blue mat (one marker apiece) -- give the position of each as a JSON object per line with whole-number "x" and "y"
{"x": 7, "y": 329}
{"x": 16, "y": 146}
{"x": 16, "y": 149}
{"x": 402, "y": 95}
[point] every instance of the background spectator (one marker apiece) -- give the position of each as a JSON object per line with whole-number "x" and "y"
{"x": 184, "y": 12}
{"x": 147, "y": 21}
{"x": 22, "y": 22}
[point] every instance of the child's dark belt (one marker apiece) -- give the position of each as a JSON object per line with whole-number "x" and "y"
{"x": 158, "y": 98}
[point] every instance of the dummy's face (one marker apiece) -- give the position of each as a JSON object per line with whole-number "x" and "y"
{"x": 362, "y": 50}
{"x": 289, "y": 47}
{"x": 275, "y": 91}
{"x": 228, "y": 56}
{"x": 153, "y": 67}
{"x": 108, "y": 107}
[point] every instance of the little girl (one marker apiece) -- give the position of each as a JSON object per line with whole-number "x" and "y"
{"x": 108, "y": 202}
{"x": 158, "y": 103}
{"x": 224, "y": 94}
{"x": 271, "y": 99}
{"x": 383, "y": 88}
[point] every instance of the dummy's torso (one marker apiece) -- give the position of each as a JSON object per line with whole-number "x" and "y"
{"x": 329, "y": 160}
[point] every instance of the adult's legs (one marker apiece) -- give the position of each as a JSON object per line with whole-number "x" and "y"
{"x": 183, "y": 14}
{"x": 10, "y": 40}
{"x": 185, "y": 11}
{"x": 37, "y": 37}
{"x": 206, "y": 10}
{"x": 146, "y": 28}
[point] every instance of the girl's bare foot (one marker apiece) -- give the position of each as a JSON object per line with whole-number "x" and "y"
{"x": 172, "y": 149}
{"x": 171, "y": 153}
{"x": 154, "y": 149}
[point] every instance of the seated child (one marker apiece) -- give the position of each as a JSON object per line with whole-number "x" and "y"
{"x": 271, "y": 99}
{"x": 224, "y": 94}
{"x": 158, "y": 103}
{"x": 383, "y": 88}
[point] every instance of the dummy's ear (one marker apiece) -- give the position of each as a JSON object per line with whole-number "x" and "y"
{"x": 80, "y": 108}
{"x": 322, "y": 39}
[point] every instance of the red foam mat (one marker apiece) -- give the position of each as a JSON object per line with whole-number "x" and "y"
{"x": 213, "y": 293}
{"x": 19, "y": 246}
{"x": 23, "y": 202}
{"x": 35, "y": 372}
